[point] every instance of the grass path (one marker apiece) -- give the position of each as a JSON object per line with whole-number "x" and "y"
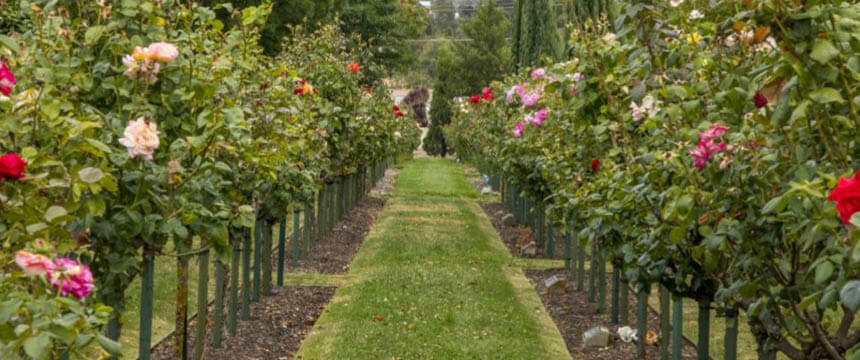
{"x": 434, "y": 281}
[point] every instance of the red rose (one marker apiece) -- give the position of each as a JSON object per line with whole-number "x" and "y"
{"x": 595, "y": 165}
{"x": 760, "y": 100}
{"x": 303, "y": 81}
{"x": 475, "y": 99}
{"x": 396, "y": 108}
{"x": 368, "y": 89}
{"x": 847, "y": 197}
{"x": 354, "y": 68}
{"x": 12, "y": 166}
{"x": 299, "y": 91}
{"x": 399, "y": 114}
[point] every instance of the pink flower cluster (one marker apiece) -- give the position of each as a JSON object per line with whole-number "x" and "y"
{"x": 519, "y": 130}
{"x": 7, "y": 79}
{"x": 66, "y": 275}
{"x": 535, "y": 119}
{"x": 707, "y": 147}
{"x": 538, "y": 73}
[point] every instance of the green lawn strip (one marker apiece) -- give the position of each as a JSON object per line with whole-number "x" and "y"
{"x": 430, "y": 282}
{"x": 538, "y": 264}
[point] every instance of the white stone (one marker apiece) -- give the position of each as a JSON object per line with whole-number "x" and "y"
{"x": 486, "y": 190}
{"x": 596, "y": 337}
{"x": 529, "y": 249}
{"x": 627, "y": 334}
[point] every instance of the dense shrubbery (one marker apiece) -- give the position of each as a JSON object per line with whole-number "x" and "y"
{"x": 141, "y": 123}
{"x": 696, "y": 145}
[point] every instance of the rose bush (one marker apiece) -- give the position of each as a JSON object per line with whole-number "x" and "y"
{"x": 148, "y": 123}
{"x": 720, "y": 129}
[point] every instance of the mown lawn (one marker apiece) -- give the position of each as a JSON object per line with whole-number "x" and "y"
{"x": 431, "y": 283}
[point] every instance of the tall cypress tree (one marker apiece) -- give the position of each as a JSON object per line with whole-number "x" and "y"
{"x": 518, "y": 16}
{"x": 539, "y": 35}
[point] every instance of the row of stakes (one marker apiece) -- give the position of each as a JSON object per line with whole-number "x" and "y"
{"x": 526, "y": 214}
{"x": 254, "y": 257}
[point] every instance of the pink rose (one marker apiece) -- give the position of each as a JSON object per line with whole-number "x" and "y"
{"x": 705, "y": 151}
{"x": 70, "y": 277}
{"x": 141, "y": 138}
{"x": 538, "y": 73}
{"x": 518, "y": 131}
{"x": 530, "y": 99}
{"x": 33, "y": 264}
{"x": 163, "y": 52}
{"x": 7, "y": 79}
{"x": 714, "y": 132}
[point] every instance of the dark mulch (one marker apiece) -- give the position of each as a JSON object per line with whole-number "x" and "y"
{"x": 516, "y": 236}
{"x": 574, "y": 315}
{"x": 334, "y": 252}
{"x": 277, "y": 327}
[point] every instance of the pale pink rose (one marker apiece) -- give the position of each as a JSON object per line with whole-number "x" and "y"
{"x": 163, "y": 52}
{"x": 530, "y": 99}
{"x": 141, "y": 138}
{"x": 518, "y": 131}
{"x": 33, "y": 264}
{"x": 398, "y": 135}
{"x": 538, "y": 73}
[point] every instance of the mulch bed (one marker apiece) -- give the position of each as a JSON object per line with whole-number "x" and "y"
{"x": 334, "y": 252}
{"x": 574, "y": 315}
{"x": 517, "y": 235}
{"x": 277, "y": 327}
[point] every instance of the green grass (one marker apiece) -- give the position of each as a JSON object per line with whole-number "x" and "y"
{"x": 433, "y": 281}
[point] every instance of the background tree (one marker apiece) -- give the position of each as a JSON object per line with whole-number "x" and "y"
{"x": 444, "y": 22}
{"x": 538, "y": 33}
{"x": 465, "y": 67}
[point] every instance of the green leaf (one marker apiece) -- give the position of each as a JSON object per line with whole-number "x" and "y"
{"x": 8, "y": 308}
{"x": 38, "y": 347}
{"x": 823, "y": 51}
{"x": 775, "y": 204}
{"x": 54, "y": 212}
{"x": 855, "y": 256}
{"x": 93, "y": 34}
{"x": 823, "y": 272}
{"x": 113, "y": 347}
{"x": 826, "y": 95}
{"x": 91, "y": 175}
{"x": 99, "y": 145}
{"x": 10, "y": 44}
{"x": 677, "y": 235}
{"x": 801, "y": 111}
{"x": 855, "y": 219}
{"x": 34, "y": 228}
{"x": 850, "y": 295}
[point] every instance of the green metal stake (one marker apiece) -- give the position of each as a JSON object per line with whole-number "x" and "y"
{"x": 282, "y": 245}
{"x": 307, "y": 231}
{"x": 677, "y": 326}
{"x": 550, "y": 243}
{"x": 266, "y": 257}
{"x": 202, "y": 303}
{"x": 624, "y": 307}
{"x": 567, "y": 250}
{"x": 642, "y": 323}
{"x": 232, "y": 316}
{"x": 258, "y": 270}
{"x": 306, "y": 235}
{"x": 146, "y": 296}
{"x": 601, "y": 289}
{"x": 246, "y": 275}
{"x": 731, "y": 341}
{"x": 665, "y": 324}
{"x": 297, "y": 235}
{"x": 704, "y": 330}
{"x": 112, "y": 331}
{"x": 218, "y": 325}
{"x": 592, "y": 276}
{"x": 580, "y": 278}
{"x": 616, "y": 283}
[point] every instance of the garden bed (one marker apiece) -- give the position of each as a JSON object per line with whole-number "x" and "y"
{"x": 334, "y": 252}
{"x": 574, "y": 314}
{"x": 514, "y": 236}
{"x": 278, "y": 325}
